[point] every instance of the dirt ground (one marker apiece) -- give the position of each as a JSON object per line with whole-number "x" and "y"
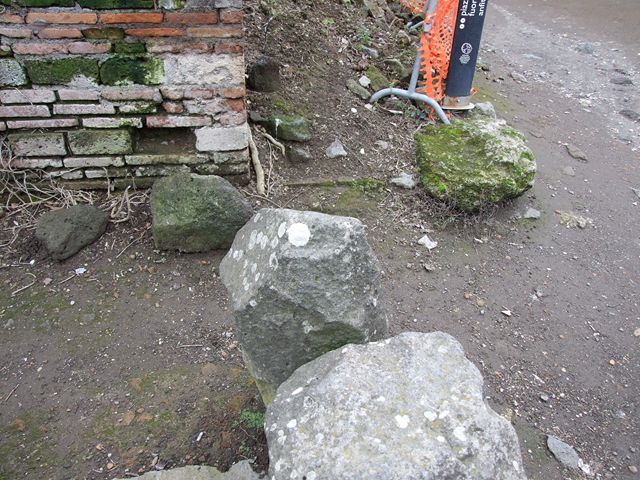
{"x": 134, "y": 366}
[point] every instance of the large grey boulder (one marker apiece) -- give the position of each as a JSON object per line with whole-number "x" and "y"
{"x": 410, "y": 407}
{"x": 65, "y": 232}
{"x": 239, "y": 471}
{"x": 301, "y": 284}
{"x": 196, "y": 213}
{"x": 474, "y": 163}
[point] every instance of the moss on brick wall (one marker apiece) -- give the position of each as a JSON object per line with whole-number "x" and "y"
{"x": 124, "y": 70}
{"x": 61, "y": 71}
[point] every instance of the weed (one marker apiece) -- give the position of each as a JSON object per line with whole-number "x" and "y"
{"x": 252, "y": 419}
{"x": 363, "y": 35}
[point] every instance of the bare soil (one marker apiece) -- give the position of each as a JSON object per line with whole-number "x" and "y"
{"x": 134, "y": 366}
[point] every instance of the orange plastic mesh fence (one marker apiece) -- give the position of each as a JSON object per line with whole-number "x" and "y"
{"x": 435, "y": 46}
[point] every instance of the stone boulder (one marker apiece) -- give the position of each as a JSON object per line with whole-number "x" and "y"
{"x": 301, "y": 284}
{"x": 65, "y": 232}
{"x": 264, "y": 75}
{"x": 410, "y": 407}
{"x": 239, "y": 471}
{"x": 196, "y": 213}
{"x": 474, "y": 163}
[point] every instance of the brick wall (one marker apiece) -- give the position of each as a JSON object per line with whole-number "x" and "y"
{"x": 124, "y": 89}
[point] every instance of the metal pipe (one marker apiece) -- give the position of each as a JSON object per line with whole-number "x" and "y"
{"x": 412, "y": 96}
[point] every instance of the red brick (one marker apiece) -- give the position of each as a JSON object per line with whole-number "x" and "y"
{"x": 77, "y": 95}
{"x": 215, "y": 32}
{"x": 27, "y": 96}
{"x": 89, "y": 48}
{"x": 233, "y": 92}
{"x": 169, "y": 121}
{"x": 192, "y": 18}
{"x": 154, "y": 32}
{"x": 142, "y": 17}
{"x": 52, "y": 123}
{"x": 130, "y": 93}
{"x": 177, "y": 47}
{"x": 31, "y": 48}
{"x": 199, "y": 93}
{"x": 11, "y": 18}
{"x": 60, "y": 33}
{"x": 235, "y": 105}
{"x": 15, "y": 32}
{"x": 25, "y": 111}
{"x": 62, "y": 17}
{"x": 229, "y": 48}
{"x": 172, "y": 93}
{"x": 228, "y": 15}
{"x": 173, "y": 107}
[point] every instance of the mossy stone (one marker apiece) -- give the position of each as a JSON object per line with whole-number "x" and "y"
{"x": 110, "y": 4}
{"x": 286, "y": 127}
{"x": 126, "y": 70}
{"x": 100, "y": 142}
{"x": 378, "y": 79}
{"x": 107, "y": 33}
{"x": 471, "y": 164}
{"x": 61, "y": 71}
{"x": 130, "y": 48}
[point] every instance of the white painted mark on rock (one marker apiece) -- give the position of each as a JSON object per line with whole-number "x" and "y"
{"x": 298, "y": 234}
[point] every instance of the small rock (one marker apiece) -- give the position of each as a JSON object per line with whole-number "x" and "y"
{"x": 630, "y": 114}
{"x": 264, "y": 75}
{"x": 572, "y": 220}
{"x": 636, "y": 332}
{"x": 586, "y": 47}
{"x": 544, "y": 397}
{"x": 336, "y": 149}
{"x": 65, "y": 232}
{"x": 404, "y": 180}
{"x": 576, "y": 153}
{"x": 364, "y": 81}
{"x": 298, "y": 154}
{"x": 377, "y": 78}
{"x": 370, "y": 52}
{"x": 563, "y": 452}
{"x": 621, "y": 81}
{"x": 532, "y": 213}
{"x": 633, "y": 469}
{"x": 569, "y": 171}
{"x": 357, "y": 89}
{"x": 382, "y": 144}
{"x": 427, "y": 242}
{"x": 486, "y": 108}
{"x": 399, "y": 69}
{"x": 620, "y": 414}
{"x": 518, "y": 77}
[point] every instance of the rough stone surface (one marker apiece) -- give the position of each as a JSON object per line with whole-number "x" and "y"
{"x": 474, "y": 163}
{"x": 357, "y": 89}
{"x": 195, "y": 213}
{"x": 264, "y": 75}
{"x": 11, "y": 73}
{"x": 563, "y": 452}
{"x": 239, "y": 471}
{"x": 301, "y": 284}
{"x": 66, "y": 231}
{"x": 298, "y": 154}
{"x": 410, "y": 407}
{"x": 204, "y": 69}
{"x": 37, "y": 144}
{"x": 404, "y": 180}
{"x": 100, "y": 142}
{"x": 486, "y": 108}
{"x": 286, "y": 127}
{"x": 218, "y": 139}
